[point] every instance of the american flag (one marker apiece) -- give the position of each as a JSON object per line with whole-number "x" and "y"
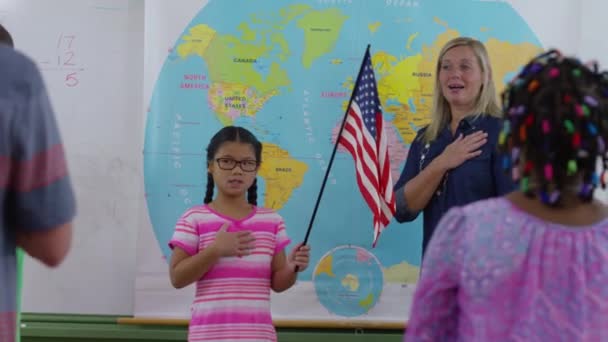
{"x": 364, "y": 137}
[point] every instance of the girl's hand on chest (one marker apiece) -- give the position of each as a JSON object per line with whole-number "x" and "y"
{"x": 239, "y": 243}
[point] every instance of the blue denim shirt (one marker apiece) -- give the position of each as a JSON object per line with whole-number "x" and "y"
{"x": 476, "y": 179}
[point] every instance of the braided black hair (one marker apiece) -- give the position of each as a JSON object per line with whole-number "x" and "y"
{"x": 556, "y": 127}
{"x": 210, "y": 187}
{"x": 232, "y": 134}
{"x": 252, "y": 193}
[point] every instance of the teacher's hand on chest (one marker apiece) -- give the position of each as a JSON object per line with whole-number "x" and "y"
{"x": 462, "y": 149}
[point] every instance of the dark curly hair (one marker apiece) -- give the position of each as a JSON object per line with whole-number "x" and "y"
{"x": 556, "y": 127}
{"x": 233, "y": 134}
{"x": 5, "y": 37}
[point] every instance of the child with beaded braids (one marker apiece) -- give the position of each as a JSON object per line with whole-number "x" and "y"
{"x": 532, "y": 265}
{"x": 231, "y": 248}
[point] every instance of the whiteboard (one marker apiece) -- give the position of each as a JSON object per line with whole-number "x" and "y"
{"x": 90, "y": 53}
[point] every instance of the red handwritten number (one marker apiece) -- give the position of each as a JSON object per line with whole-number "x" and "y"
{"x": 65, "y": 42}
{"x": 71, "y": 80}
{"x": 59, "y": 40}
{"x": 69, "y": 59}
{"x": 70, "y": 39}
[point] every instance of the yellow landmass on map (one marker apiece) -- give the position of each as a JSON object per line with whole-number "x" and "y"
{"x": 231, "y": 60}
{"x": 248, "y": 33}
{"x": 410, "y": 40}
{"x": 230, "y": 101}
{"x": 405, "y": 81}
{"x": 325, "y": 266}
{"x": 197, "y": 41}
{"x": 282, "y": 173}
{"x": 507, "y": 58}
{"x": 321, "y": 32}
{"x": 279, "y": 39}
{"x": 401, "y": 82}
{"x": 439, "y": 21}
{"x": 403, "y": 273}
{"x": 403, "y": 121}
{"x": 350, "y": 282}
{"x": 373, "y": 27}
{"x": 290, "y": 12}
{"x": 367, "y": 301}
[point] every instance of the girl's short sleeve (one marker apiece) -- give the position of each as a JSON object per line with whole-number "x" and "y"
{"x": 281, "y": 238}
{"x": 185, "y": 235}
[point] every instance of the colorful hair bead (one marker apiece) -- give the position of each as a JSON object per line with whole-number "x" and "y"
{"x": 549, "y": 172}
{"x": 567, "y": 98}
{"x": 601, "y": 146}
{"x": 554, "y": 72}
{"x": 576, "y": 72}
{"x": 533, "y": 86}
{"x": 569, "y": 126}
{"x": 554, "y": 197}
{"x": 546, "y": 126}
{"x": 586, "y": 190}
{"x": 549, "y": 198}
{"x": 534, "y": 68}
{"x": 572, "y": 167}
{"x": 591, "y": 128}
{"x": 595, "y": 178}
{"x": 582, "y": 153}
{"x": 576, "y": 140}
{"x": 591, "y": 101}
{"x": 529, "y": 120}
{"x": 524, "y": 184}
{"x": 514, "y": 153}
{"x": 515, "y": 173}
{"x": 579, "y": 110}
{"x": 528, "y": 167}
{"x": 544, "y": 197}
{"x": 506, "y": 162}
{"x": 586, "y": 111}
{"x": 522, "y": 133}
{"x": 502, "y": 137}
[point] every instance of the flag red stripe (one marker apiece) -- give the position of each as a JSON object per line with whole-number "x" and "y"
{"x": 365, "y": 172}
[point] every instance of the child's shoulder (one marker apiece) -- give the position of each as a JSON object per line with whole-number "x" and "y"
{"x": 486, "y": 213}
{"x": 197, "y": 212}
{"x": 267, "y": 214}
{"x": 266, "y": 211}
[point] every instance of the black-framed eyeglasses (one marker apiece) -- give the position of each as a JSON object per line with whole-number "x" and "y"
{"x": 247, "y": 165}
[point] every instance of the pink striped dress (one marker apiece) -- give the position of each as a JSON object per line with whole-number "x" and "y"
{"x": 232, "y": 301}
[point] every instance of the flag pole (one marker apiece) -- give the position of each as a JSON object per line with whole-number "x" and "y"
{"x": 333, "y": 153}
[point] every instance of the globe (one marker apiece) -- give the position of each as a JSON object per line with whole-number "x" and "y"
{"x": 348, "y": 281}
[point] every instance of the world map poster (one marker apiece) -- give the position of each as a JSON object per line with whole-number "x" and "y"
{"x": 285, "y": 71}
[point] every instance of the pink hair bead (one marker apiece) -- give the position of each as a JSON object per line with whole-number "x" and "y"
{"x": 549, "y": 172}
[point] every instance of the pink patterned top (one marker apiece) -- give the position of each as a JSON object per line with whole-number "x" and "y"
{"x": 232, "y": 301}
{"x": 496, "y": 273}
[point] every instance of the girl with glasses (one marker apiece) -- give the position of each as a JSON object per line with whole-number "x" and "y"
{"x": 232, "y": 249}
